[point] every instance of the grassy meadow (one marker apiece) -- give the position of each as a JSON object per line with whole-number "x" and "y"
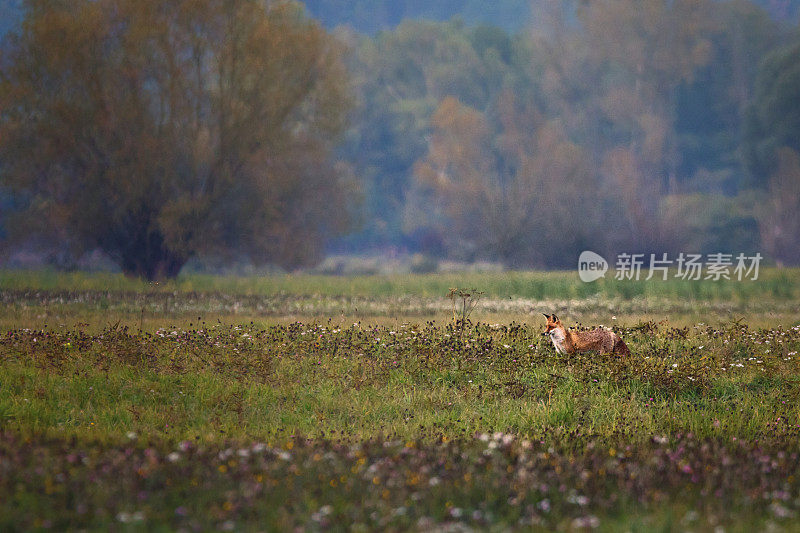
{"x": 338, "y": 403}
{"x": 35, "y": 299}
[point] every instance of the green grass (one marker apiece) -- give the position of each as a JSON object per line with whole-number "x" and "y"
{"x": 418, "y": 382}
{"x": 775, "y": 284}
{"x": 39, "y": 299}
{"x": 389, "y": 417}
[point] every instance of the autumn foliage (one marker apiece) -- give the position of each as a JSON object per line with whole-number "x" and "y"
{"x": 612, "y": 125}
{"x": 158, "y": 130}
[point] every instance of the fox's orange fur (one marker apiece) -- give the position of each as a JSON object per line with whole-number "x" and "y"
{"x": 596, "y": 340}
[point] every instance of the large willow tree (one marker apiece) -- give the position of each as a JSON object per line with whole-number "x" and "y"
{"x": 158, "y": 130}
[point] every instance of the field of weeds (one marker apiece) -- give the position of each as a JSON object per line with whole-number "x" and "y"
{"x": 220, "y": 404}
{"x": 38, "y": 299}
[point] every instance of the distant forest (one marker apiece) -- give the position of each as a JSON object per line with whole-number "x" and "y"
{"x": 524, "y": 131}
{"x": 612, "y": 125}
{"x": 372, "y": 16}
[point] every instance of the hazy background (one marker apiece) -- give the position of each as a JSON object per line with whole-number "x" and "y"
{"x": 151, "y": 136}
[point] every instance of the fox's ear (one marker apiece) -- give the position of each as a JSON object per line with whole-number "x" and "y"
{"x": 555, "y": 318}
{"x": 546, "y": 316}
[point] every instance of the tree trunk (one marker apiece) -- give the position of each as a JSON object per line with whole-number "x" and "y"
{"x": 147, "y": 257}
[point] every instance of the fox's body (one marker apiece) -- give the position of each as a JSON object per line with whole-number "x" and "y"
{"x": 601, "y": 340}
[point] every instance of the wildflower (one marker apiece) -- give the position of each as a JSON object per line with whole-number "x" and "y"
{"x": 544, "y": 505}
{"x": 780, "y": 511}
{"x": 578, "y": 499}
{"x": 586, "y": 522}
{"x": 125, "y": 518}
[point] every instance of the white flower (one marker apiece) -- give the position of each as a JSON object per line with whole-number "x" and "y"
{"x": 544, "y": 505}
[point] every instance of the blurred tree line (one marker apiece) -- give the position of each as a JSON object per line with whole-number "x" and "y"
{"x": 156, "y": 131}
{"x": 613, "y": 125}
{"x": 372, "y": 16}
{"x": 160, "y": 131}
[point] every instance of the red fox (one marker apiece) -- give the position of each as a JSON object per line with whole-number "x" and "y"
{"x": 597, "y": 340}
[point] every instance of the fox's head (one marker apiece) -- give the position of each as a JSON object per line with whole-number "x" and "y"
{"x": 552, "y": 323}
